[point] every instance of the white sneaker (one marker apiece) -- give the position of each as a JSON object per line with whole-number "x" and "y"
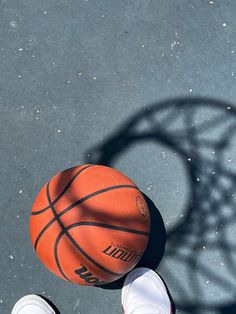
{"x": 32, "y": 304}
{"x": 144, "y": 292}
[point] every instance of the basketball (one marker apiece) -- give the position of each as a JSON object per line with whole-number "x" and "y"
{"x": 90, "y": 224}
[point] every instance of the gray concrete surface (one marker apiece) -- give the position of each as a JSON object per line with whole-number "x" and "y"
{"x": 73, "y": 73}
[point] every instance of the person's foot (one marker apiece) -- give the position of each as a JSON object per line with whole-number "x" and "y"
{"x": 144, "y": 292}
{"x": 32, "y": 304}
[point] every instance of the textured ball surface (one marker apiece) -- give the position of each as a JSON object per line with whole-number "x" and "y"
{"x": 90, "y": 224}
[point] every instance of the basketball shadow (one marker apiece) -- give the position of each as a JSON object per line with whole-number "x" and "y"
{"x": 157, "y": 240}
{"x": 155, "y": 248}
{"x": 229, "y": 309}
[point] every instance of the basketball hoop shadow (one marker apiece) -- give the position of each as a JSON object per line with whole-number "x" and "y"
{"x": 200, "y": 254}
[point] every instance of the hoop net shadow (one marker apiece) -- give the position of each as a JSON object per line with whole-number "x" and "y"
{"x": 200, "y": 257}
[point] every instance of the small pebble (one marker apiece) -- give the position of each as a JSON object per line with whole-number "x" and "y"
{"x": 13, "y": 24}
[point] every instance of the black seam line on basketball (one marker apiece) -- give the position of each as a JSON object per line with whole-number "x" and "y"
{"x": 59, "y": 222}
{"x": 77, "y": 203}
{"x": 64, "y": 230}
{"x": 101, "y": 225}
{"x": 56, "y": 256}
{"x": 63, "y": 192}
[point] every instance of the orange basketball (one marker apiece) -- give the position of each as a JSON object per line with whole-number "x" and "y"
{"x": 90, "y": 224}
